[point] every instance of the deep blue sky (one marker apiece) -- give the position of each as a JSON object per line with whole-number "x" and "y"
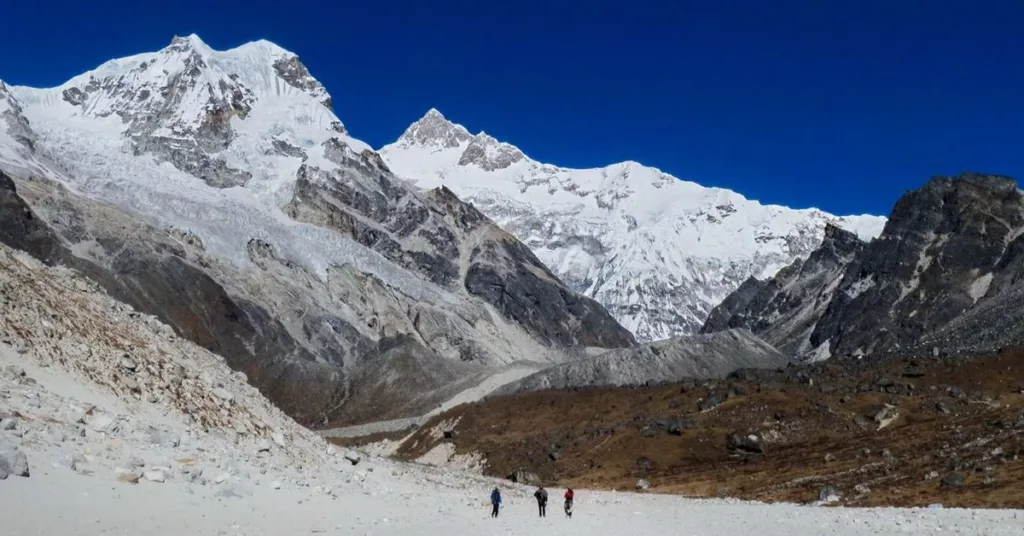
{"x": 842, "y": 105}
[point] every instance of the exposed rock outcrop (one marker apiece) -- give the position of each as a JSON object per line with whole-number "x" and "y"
{"x": 783, "y": 310}
{"x": 945, "y": 277}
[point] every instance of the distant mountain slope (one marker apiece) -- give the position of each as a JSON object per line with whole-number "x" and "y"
{"x": 218, "y": 191}
{"x": 659, "y": 253}
{"x": 697, "y": 356}
{"x": 945, "y": 277}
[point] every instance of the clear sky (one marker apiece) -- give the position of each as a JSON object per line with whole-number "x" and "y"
{"x": 838, "y": 104}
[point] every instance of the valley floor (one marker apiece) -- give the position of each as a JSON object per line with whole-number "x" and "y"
{"x": 376, "y": 496}
{"x": 67, "y": 503}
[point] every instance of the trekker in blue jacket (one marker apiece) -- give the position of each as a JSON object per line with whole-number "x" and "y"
{"x": 495, "y": 502}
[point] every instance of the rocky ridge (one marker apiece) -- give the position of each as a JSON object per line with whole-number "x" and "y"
{"x": 659, "y": 253}
{"x": 783, "y": 309}
{"x": 944, "y": 278}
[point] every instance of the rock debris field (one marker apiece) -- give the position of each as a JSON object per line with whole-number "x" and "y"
{"x": 110, "y": 424}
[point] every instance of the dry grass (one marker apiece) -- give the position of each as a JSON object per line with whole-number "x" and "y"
{"x": 598, "y": 434}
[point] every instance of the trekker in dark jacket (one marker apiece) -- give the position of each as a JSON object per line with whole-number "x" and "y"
{"x": 542, "y": 500}
{"x": 495, "y": 502}
{"x": 568, "y": 502}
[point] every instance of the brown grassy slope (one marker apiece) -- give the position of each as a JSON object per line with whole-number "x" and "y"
{"x": 815, "y": 424}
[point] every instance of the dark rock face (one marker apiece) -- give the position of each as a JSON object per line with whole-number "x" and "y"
{"x": 506, "y": 274}
{"x": 21, "y": 229}
{"x": 489, "y": 154}
{"x": 783, "y": 310}
{"x": 946, "y": 276}
{"x": 431, "y": 234}
{"x": 295, "y": 73}
{"x": 928, "y": 266}
{"x": 15, "y": 122}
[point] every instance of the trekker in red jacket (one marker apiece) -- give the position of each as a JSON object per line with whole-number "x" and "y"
{"x": 568, "y": 502}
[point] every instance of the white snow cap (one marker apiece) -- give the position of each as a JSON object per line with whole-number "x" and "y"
{"x": 658, "y": 252}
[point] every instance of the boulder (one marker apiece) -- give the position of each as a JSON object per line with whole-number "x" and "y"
{"x": 953, "y": 480}
{"x": 884, "y": 415}
{"x": 9, "y": 423}
{"x": 155, "y": 475}
{"x": 352, "y": 457}
{"x": 13, "y": 461}
{"x": 132, "y": 384}
{"x": 649, "y": 431}
{"x": 522, "y": 476}
{"x": 750, "y": 443}
{"x": 102, "y": 423}
{"x": 163, "y": 438}
{"x": 643, "y": 484}
{"x": 829, "y": 494}
{"x": 66, "y": 460}
{"x": 127, "y": 476}
{"x": 128, "y": 363}
{"x": 713, "y": 400}
{"x": 645, "y": 464}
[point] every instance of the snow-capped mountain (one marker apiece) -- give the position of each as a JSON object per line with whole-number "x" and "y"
{"x": 218, "y": 191}
{"x": 658, "y": 252}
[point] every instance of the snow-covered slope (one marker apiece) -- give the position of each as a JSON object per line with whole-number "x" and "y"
{"x": 658, "y": 252}
{"x": 218, "y": 191}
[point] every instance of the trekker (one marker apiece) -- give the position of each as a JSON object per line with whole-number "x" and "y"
{"x": 568, "y": 502}
{"x": 542, "y": 500}
{"x": 495, "y": 502}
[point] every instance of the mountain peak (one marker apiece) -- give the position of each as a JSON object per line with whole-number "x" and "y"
{"x": 433, "y": 130}
{"x": 191, "y": 42}
{"x": 433, "y": 114}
